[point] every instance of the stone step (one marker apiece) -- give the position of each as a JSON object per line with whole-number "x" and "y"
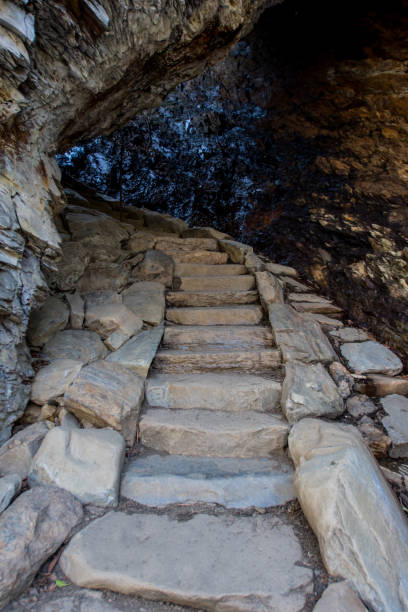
{"x": 189, "y": 269}
{"x": 186, "y": 244}
{"x": 227, "y": 315}
{"x": 243, "y": 282}
{"x": 229, "y": 392}
{"x": 157, "y": 480}
{"x": 197, "y": 257}
{"x": 210, "y": 298}
{"x": 227, "y": 335}
{"x": 218, "y": 563}
{"x": 195, "y": 361}
{"x": 207, "y": 433}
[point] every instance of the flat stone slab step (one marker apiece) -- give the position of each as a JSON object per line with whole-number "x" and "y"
{"x": 229, "y": 392}
{"x": 255, "y": 360}
{"x": 202, "y": 433}
{"x": 187, "y": 269}
{"x": 243, "y": 282}
{"x": 211, "y": 298}
{"x": 218, "y": 563}
{"x": 228, "y": 336}
{"x": 222, "y": 315}
{"x": 158, "y": 480}
{"x": 198, "y": 257}
{"x": 186, "y": 244}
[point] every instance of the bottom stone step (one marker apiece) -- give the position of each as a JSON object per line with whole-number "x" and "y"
{"x": 234, "y": 483}
{"x": 202, "y": 433}
{"x": 218, "y": 563}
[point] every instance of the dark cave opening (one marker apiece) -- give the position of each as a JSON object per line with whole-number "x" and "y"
{"x": 297, "y": 144}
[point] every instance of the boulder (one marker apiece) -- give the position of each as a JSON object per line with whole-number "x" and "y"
{"x": 106, "y": 394}
{"x": 138, "y": 353}
{"x": 164, "y": 223}
{"x": 156, "y": 266}
{"x": 10, "y": 486}
{"x": 342, "y": 378}
{"x": 78, "y": 344}
{"x": 106, "y": 318}
{"x": 85, "y": 462}
{"x": 396, "y": 423}
{"x": 101, "y": 248}
{"x": 204, "y": 232}
{"x": 360, "y": 405}
{"x": 298, "y": 336}
{"x": 31, "y": 530}
{"x": 141, "y": 242}
{"x": 84, "y": 222}
{"x": 71, "y": 267}
{"x": 102, "y": 276}
{"x": 76, "y": 305}
{"x": 279, "y": 270}
{"x": 349, "y": 334}
{"x": 269, "y": 288}
{"x": 17, "y": 453}
{"x": 308, "y": 390}
{"x": 370, "y": 357}
{"x": 146, "y": 300}
{"x": 47, "y": 321}
{"x": 362, "y": 531}
{"x": 339, "y": 597}
{"x": 54, "y": 379}
{"x": 236, "y": 250}
{"x": 253, "y": 263}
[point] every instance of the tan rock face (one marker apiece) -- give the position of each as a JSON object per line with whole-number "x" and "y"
{"x": 46, "y": 322}
{"x": 53, "y": 380}
{"x": 145, "y": 300}
{"x": 362, "y": 532}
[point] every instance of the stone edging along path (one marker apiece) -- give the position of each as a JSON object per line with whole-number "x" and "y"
{"x": 205, "y": 404}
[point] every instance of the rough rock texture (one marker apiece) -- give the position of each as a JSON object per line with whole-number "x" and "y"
{"x": 51, "y": 318}
{"x": 396, "y": 423}
{"x": 338, "y": 597}
{"x": 85, "y": 462}
{"x": 53, "y": 380}
{"x": 138, "y": 353}
{"x": 78, "y": 70}
{"x": 79, "y": 344}
{"x": 31, "y": 530}
{"x": 120, "y": 552}
{"x": 81, "y": 601}
{"x": 10, "y": 485}
{"x": 362, "y": 531}
{"x": 370, "y": 357}
{"x": 17, "y": 453}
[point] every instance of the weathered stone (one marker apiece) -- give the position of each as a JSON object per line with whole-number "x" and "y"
{"x": 138, "y": 353}
{"x": 67, "y": 420}
{"x": 244, "y": 282}
{"x": 327, "y": 323}
{"x": 230, "y": 392}
{"x": 10, "y": 486}
{"x": 101, "y": 248}
{"x": 53, "y": 380}
{"x": 106, "y": 318}
{"x": 76, "y": 304}
{"x": 321, "y": 307}
{"x": 396, "y": 423}
{"x": 362, "y": 532}
{"x": 51, "y": 318}
{"x": 253, "y": 263}
{"x": 190, "y": 245}
{"x": 308, "y": 391}
{"x": 184, "y": 269}
{"x": 279, "y": 269}
{"x": 141, "y": 242}
{"x": 204, "y": 232}
{"x": 308, "y": 297}
{"x": 18, "y": 21}
{"x": 198, "y": 256}
{"x": 299, "y": 337}
{"x": 31, "y": 530}
{"x": 370, "y": 357}
{"x": 376, "y": 440}
{"x": 235, "y": 483}
{"x": 79, "y": 344}
{"x": 71, "y": 266}
{"x": 156, "y": 266}
{"x": 146, "y": 300}
{"x": 349, "y": 334}
{"x": 85, "y": 462}
{"x": 203, "y": 433}
{"x": 360, "y": 405}
{"x": 294, "y": 285}
{"x": 236, "y": 250}
{"x": 221, "y": 315}
{"x": 17, "y": 453}
{"x": 342, "y": 378}
{"x": 165, "y": 223}
{"x": 84, "y": 222}
{"x": 379, "y": 385}
{"x": 107, "y": 395}
{"x": 269, "y": 288}
{"x": 210, "y": 298}
{"x": 339, "y": 597}
{"x": 247, "y": 360}
{"x": 120, "y": 552}
{"x": 80, "y": 601}
{"x": 100, "y": 298}
{"x": 103, "y": 276}
{"x": 242, "y": 336}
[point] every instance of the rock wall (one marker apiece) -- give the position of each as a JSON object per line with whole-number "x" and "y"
{"x": 298, "y": 144}
{"x": 70, "y": 70}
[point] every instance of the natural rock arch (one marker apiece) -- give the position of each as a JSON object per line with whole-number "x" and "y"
{"x": 69, "y": 70}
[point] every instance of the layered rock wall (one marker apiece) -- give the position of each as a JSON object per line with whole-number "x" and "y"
{"x": 71, "y": 70}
